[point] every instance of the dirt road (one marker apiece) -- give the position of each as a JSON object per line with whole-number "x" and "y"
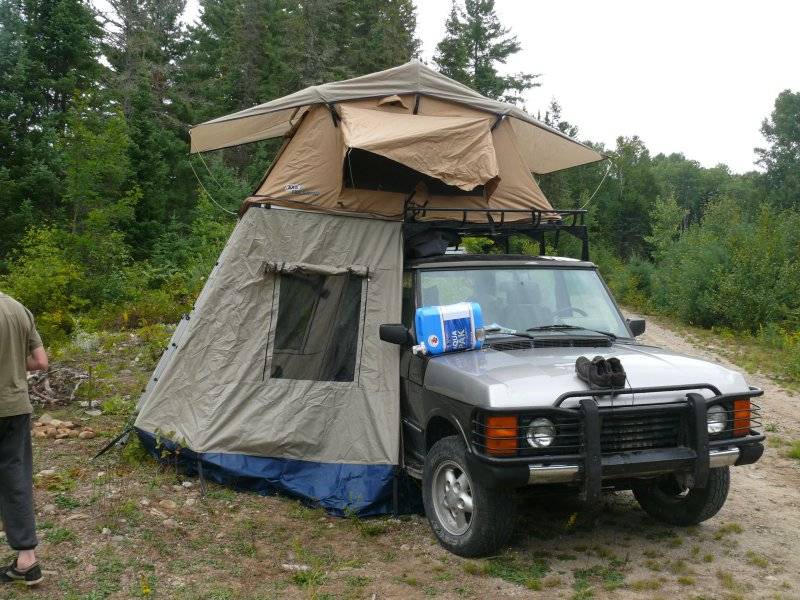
{"x": 764, "y": 498}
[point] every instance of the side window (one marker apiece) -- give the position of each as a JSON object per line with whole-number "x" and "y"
{"x": 317, "y": 330}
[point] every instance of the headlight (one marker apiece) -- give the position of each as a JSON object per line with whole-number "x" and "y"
{"x": 541, "y": 433}
{"x": 717, "y": 419}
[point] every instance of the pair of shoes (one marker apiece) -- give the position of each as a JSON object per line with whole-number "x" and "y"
{"x": 618, "y": 375}
{"x": 30, "y": 576}
{"x": 600, "y": 372}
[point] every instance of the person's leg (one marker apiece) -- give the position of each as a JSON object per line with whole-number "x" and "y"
{"x": 16, "y": 488}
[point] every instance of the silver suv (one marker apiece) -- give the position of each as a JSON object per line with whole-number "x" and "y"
{"x": 482, "y": 423}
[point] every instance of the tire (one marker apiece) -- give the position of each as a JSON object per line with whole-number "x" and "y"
{"x": 664, "y": 500}
{"x": 479, "y": 533}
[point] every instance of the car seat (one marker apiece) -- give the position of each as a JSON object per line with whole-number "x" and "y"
{"x": 525, "y": 306}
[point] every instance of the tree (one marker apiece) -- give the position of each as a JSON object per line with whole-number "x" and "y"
{"x": 782, "y": 158}
{"x": 143, "y": 45}
{"x": 48, "y": 57}
{"x": 474, "y": 44}
{"x": 375, "y": 35}
{"x": 621, "y": 211}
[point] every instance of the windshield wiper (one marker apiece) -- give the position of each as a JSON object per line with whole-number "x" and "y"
{"x": 564, "y": 326}
{"x": 505, "y": 331}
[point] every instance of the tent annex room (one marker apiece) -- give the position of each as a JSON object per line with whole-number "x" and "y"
{"x": 277, "y": 380}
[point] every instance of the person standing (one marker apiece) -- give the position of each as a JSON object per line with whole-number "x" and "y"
{"x": 20, "y": 351}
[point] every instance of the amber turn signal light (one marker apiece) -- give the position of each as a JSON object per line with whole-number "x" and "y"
{"x": 741, "y": 417}
{"x": 501, "y": 435}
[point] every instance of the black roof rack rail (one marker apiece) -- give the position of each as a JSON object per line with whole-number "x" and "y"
{"x": 499, "y": 223}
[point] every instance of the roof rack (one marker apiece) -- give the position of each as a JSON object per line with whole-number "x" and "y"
{"x": 500, "y": 224}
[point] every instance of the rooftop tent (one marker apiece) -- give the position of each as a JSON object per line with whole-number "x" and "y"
{"x": 412, "y": 117}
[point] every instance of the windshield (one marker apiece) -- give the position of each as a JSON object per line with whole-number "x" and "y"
{"x": 516, "y": 299}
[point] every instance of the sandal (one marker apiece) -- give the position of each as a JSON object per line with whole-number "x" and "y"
{"x": 30, "y": 576}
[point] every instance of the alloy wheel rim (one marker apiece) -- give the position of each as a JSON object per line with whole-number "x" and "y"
{"x": 452, "y": 497}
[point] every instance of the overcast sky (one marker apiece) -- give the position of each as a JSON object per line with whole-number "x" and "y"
{"x": 691, "y": 76}
{"x": 696, "y": 77}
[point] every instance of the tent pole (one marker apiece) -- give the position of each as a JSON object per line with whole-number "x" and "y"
{"x": 396, "y": 493}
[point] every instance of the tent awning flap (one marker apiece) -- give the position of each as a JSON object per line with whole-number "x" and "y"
{"x": 456, "y": 150}
{"x": 544, "y": 149}
{"x": 295, "y": 267}
{"x": 213, "y": 136}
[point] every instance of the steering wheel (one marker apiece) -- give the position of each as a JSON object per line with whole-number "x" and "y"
{"x": 571, "y": 310}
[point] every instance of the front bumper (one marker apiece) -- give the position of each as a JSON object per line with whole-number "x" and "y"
{"x": 653, "y": 463}
{"x": 591, "y": 467}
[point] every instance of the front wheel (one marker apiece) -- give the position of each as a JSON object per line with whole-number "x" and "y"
{"x": 665, "y": 499}
{"x": 467, "y": 517}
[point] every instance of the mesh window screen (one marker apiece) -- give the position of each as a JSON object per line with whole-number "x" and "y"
{"x": 317, "y": 332}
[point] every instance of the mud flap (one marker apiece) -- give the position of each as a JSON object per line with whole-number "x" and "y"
{"x": 699, "y": 431}
{"x": 593, "y": 465}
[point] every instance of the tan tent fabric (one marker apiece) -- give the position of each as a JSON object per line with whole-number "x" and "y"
{"x": 393, "y": 100}
{"x": 542, "y": 148}
{"x": 309, "y": 172}
{"x": 214, "y": 391}
{"x": 310, "y": 167}
{"x": 516, "y": 188}
{"x": 543, "y": 153}
{"x": 456, "y": 150}
{"x": 455, "y": 143}
{"x": 295, "y": 267}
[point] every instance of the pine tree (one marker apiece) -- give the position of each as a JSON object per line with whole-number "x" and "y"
{"x": 475, "y": 43}
{"x": 48, "y": 57}
{"x": 143, "y": 46}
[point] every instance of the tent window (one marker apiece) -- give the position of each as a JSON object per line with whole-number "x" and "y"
{"x": 317, "y": 331}
{"x": 368, "y": 171}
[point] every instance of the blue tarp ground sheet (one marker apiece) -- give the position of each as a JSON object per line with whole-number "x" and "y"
{"x": 341, "y": 489}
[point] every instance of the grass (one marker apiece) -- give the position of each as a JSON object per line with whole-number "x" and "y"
{"x": 726, "y": 580}
{"x": 727, "y": 529}
{"x": 756, "y": 559}
{"x": 516, "y": 570}
{"x": 65, "y": 501}
{"x": 610, "y": 577}
{"x": 310, "y": 578}
{"x": 59, "y": 535}
{"x": 642, "y": 585}
{"x": 654, "y": 565}
{"x": 794, "y": 450}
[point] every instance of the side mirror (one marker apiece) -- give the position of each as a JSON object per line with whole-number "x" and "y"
{"x": 395, "y": 333}
{"x": 637, "y": 326}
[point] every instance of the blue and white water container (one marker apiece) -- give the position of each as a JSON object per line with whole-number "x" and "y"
{"x": 449, "y": 328}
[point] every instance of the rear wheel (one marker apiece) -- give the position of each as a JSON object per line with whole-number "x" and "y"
{"x": 468, "y": 518}
{"x": 665, "y": 499}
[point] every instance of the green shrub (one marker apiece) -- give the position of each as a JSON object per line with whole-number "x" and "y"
{"x": 733, "y": 269}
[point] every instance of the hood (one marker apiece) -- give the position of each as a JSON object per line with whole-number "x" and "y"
{"x": 537, "y": 376}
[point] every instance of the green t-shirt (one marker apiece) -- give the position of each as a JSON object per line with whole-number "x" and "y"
{"x": 18, "y": 339}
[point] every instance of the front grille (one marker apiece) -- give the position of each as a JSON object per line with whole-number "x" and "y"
{"x": 623, "y": 431}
